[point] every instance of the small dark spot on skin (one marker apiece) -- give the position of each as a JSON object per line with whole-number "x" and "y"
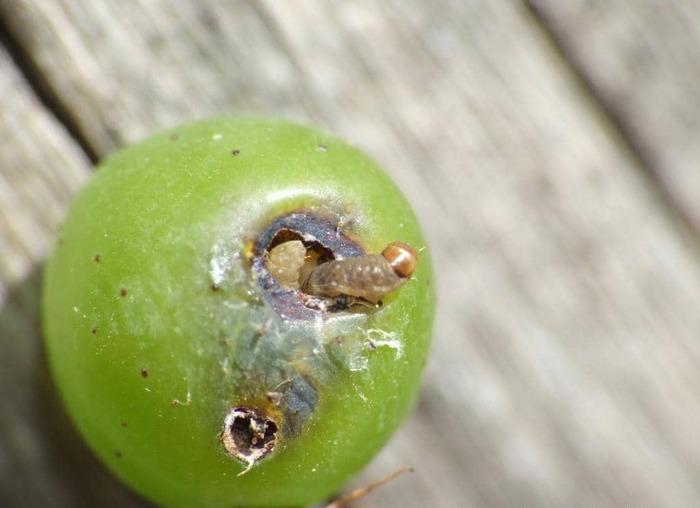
{"x": 340, "y": 340}
{"x": 123, "y": 424}
{"x": 96, "y": 258}
{"x": 93, "y": 331}
{"x": 144, "y": 373}
{"x": 236, "y": 152}
{"x": 118, "y": 454}
{"x": 122, "y": 292}
{"x": 214, "y": 287}
{"x": 174, "y": 136}
{"x": 322, "y": 148}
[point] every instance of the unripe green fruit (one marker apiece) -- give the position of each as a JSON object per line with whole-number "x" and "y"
{"x": 174, "y": 347}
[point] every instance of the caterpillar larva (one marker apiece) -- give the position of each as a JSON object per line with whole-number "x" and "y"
{"x": 369, "y": 277}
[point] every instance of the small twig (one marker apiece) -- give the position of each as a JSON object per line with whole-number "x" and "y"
{"x": 356, "y": 494}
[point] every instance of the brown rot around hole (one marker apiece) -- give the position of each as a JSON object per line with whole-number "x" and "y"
{"x": 249, "y": 435}
{"x": 305, "y": 264}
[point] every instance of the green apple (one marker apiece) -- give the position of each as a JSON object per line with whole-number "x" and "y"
{"x": 190, "y": 369}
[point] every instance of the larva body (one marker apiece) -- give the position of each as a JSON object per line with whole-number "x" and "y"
{"x": 284, "y": 262}
{"x": 369, "y": 277}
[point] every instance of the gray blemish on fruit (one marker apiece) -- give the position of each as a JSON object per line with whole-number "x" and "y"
{"x": 221, "y": 265}
{"x": 298, "y": 398}
{"x": 377, "y": 338}
{"x": 357, "y": 362}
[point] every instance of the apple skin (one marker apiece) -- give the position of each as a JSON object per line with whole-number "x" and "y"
{"x": 157, "y": 323}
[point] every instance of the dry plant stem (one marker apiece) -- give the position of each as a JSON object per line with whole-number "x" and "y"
{"x": 363, "y": 491}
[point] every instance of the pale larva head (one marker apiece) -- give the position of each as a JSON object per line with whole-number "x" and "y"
{"x": 402, "y": 257}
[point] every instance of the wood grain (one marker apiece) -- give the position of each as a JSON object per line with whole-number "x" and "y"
{"x": 641, "y": 61}
{"x": 564, "y": 370}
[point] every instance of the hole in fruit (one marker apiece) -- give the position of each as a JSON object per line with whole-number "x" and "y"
{"x": 308, "y": 260}
{"x": 249, "y": 435}
{"x": 281, "y": 269}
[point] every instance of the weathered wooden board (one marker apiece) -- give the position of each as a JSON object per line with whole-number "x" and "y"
{"x": 564, "y": 370}
{"x": 642, "y": 61}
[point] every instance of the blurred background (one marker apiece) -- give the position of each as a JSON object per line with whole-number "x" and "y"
{"x": 551, "y": 150}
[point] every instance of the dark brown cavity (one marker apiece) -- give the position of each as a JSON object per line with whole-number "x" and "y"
{"x": 249, "y": 435}
{"x": 323, "y": 242}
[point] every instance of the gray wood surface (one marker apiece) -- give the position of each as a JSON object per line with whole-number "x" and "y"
{"x": 549, "y": 149}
